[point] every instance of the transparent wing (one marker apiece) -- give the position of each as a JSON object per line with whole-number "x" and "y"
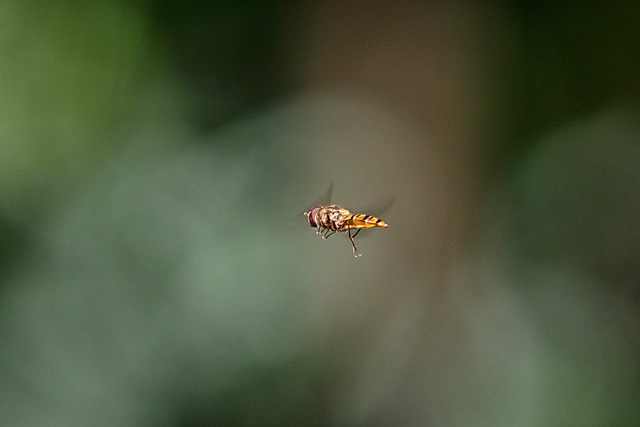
{"x": 325, "y": 198}
{"x": 377, "y": 209}
{"x": 380, "y": 207}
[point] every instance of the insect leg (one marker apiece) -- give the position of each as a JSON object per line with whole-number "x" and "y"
{"x": 353, "y": 243}
{"x": 327, "y": 233}
{"x": 356, "y": 233}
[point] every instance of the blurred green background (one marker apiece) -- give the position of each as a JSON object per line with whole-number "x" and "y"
{"x": 155, "y": 157}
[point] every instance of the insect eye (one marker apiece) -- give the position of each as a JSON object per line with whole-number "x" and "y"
{"x": 312, "y": 221}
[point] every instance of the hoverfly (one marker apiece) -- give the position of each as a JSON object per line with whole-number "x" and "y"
{"x": 331, "y": 219}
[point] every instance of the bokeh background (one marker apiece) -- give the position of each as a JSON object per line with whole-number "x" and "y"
{"x": 155, "y": 157}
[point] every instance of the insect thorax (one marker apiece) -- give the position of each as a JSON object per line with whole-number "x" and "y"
{"x": 332, "y": 217}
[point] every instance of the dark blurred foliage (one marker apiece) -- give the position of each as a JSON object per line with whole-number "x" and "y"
{"x": 569, "y": 60}
{"x": 227, "y": 54}
{"x": 155, "y": 270}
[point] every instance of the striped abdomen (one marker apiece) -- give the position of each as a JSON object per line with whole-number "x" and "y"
{"x": 362, "y": 221}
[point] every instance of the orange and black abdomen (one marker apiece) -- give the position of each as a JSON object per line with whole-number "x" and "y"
{"x": 363, "y": 221}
